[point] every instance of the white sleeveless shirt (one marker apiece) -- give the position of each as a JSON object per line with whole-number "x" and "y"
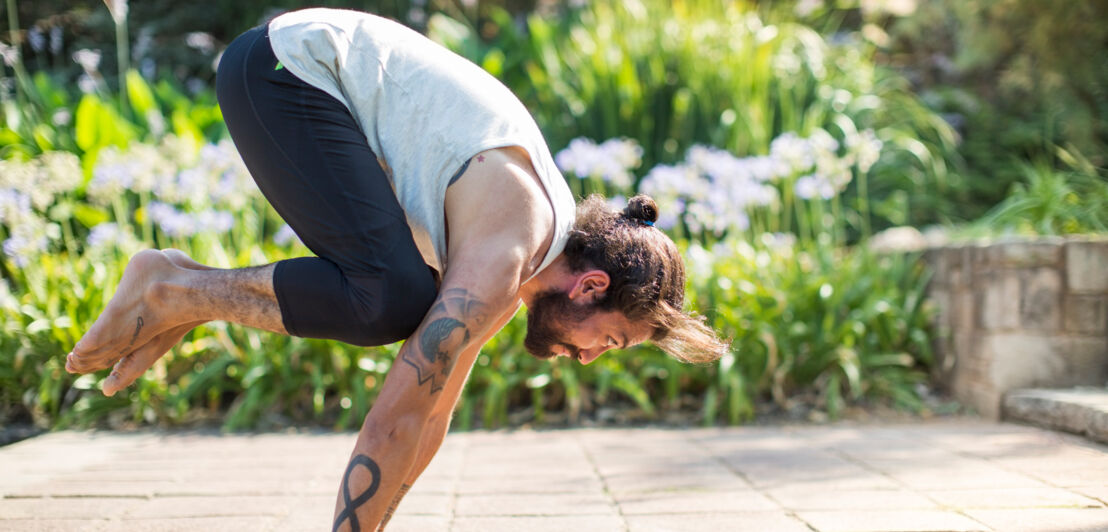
{"x": 424, "y": 110}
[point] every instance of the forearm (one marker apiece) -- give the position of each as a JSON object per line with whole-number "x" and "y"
{"x": 377, "y": 469}
{"x": 428, "y": 445}
{"x": 390, "y": 443}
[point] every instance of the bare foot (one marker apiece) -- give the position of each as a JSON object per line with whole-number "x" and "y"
{"x": 130, "y": 367}
{"x": 181, "y": 260}
{"x": 139, "y": 311}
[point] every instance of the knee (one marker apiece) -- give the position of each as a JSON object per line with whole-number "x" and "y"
{"x": 408, "y": 297}
{"x": 401, "y": 301}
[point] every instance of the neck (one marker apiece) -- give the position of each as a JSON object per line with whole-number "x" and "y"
{"x": 556, "y": 276}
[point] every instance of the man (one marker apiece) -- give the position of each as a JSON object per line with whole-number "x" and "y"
{"x": 435, "y": 210}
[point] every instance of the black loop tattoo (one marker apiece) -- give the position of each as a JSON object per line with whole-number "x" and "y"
{"x": 350, "y": 505}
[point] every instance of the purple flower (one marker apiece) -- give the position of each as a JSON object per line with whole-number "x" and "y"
{"x": 103, "y": 234}
{"x": 664, "y": 180}
{"x": 36, "y": 39}
{"x": 610, "y": 161}
{"x": 285, "y": 236}
{"x": 13, "y": 205}
{"x": 811, "y": 186}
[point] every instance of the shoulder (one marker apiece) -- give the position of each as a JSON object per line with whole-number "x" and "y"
{"x": 500, "y": 207}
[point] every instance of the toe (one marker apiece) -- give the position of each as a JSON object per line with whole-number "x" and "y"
{"x": 132, "y": 366}
{"x": 70, "y": 364}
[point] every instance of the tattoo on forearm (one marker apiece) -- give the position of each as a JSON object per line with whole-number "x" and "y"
{"x": 392, "y": 507}
{"x": 455, "y": 314}
{"x": 350, "y": 504}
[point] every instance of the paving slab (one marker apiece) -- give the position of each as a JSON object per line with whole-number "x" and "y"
{"x": 952, "y": 475}
{"x": 891, "y": 521}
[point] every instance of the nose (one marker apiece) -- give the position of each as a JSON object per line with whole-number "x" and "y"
{"x": 592, "y": 354}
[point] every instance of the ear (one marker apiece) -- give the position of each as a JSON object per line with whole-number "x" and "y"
{"x": 590, "y": 286}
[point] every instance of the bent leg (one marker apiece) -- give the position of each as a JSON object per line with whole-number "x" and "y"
{"x": 368, "y": 284}
{"x": 159, "y": 293}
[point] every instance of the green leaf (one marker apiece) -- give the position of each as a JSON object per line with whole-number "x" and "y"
{"x": 184, "y": 127}
{"x": 44, "y": 137}
{"x": 87, "y": 122}
{"x": 494, "y": 63}
{"x": 140, "y": 94}
{"x": 90, "y": 216}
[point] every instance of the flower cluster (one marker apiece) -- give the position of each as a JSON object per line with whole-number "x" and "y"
{"x": 136, "y": 169}
{"x": 824, "y": 172}
{"x": 42, "y": 179}
{"x": 109, "y": 236}
{"x": 714, "y": 191}
{"x": 216, "y": 175}
{"x": 610, "y": 161}
{"x": 26, "y": 191}
{"x": 186, "y": 184}
{"x": 181, "y": 189}
{"x": 180, "y": 224}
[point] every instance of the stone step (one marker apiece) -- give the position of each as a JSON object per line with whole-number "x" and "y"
{"x": 1081, "y": 410}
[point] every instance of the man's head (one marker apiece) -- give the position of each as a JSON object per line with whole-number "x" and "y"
{"x": 630, "y": 287}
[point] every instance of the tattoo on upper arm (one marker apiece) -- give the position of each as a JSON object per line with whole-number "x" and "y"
{"x": 392, "y": 507}
{"x": 350, "y": 504}
{"x": 446, "y": 333}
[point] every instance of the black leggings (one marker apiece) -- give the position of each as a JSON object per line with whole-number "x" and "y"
{"x": 369, "y": 285}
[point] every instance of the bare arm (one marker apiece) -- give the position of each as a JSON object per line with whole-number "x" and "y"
{"x": 439, "y": 424}
{"x": 387, "y": 446}
{"x": 493, "y": 249}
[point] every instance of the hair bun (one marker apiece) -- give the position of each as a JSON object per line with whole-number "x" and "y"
{"x": 642, "y": 208}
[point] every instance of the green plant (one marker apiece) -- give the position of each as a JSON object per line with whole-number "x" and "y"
{"x": 673, "y": 75}
{"x": 808, "y": 315}
{"x": 845, "y": 324}
{"x": 1049, "y": 201}
{"x": 999, "y": 69}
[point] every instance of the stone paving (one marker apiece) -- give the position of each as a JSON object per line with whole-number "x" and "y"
{"x": 954, "y": 475}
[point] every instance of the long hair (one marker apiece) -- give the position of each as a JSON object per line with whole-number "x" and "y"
{"x": 647, "y": 274}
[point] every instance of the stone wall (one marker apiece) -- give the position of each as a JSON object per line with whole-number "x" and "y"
{"x": 1020, "y": 314}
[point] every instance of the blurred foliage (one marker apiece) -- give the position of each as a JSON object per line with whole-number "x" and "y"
{"x": 806, "y": 315}
{"x": 1019, "y": 78}
{"x": 179, "y": 40}
{"x": 57, "y": 119}
{"x": 841, "y": 323}
{"x": 674, "y": 74}
{"x": 1049, "y": 200}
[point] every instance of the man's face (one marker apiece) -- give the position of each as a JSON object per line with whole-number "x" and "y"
{"x": 558, "y": 326}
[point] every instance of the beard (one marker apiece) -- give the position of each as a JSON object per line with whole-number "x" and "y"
{"x": 549, "y": 317}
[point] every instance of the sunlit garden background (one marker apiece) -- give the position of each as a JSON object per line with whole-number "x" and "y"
{"x": 781, "y": 139}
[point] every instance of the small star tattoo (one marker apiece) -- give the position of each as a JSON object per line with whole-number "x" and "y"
{"x": 480, "y": 158}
